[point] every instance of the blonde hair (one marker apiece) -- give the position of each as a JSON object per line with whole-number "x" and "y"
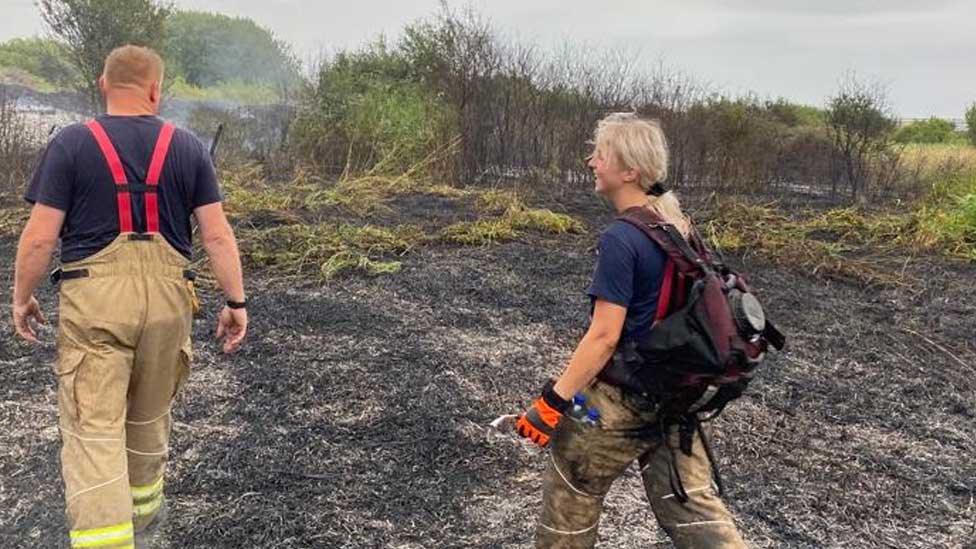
{"x": 132, "y": 66}
{"x": 636, "y": 143}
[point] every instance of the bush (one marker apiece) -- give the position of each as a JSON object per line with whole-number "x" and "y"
{"x": 17, "y": 152}
{"x": 933, "y": 130}
{"x": 861, "y": 127}
{"x": 793, "y": 114}
{"x": 736, "y": 141}
{"x": 41, "y": 58}
{"x": 971, "y": 123}
{"x": 947, "y": 219}
{"x": 364, "y": 114}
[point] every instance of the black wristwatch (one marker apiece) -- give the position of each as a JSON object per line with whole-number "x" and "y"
{"x": 237, "y": 304}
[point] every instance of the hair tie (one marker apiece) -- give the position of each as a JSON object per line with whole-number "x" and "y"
{"x": 657, "y": 189}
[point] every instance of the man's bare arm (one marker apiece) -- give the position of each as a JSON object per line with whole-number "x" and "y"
{"x": 34, "y": 251}
{"x": 221, "y": 247}
{"x": 37, "y": 244}
{"x": 225, "y": 261}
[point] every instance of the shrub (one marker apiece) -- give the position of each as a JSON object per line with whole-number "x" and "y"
{"x": 41, "y": 58}
{"x": 933, "y": 130}
{"x": 971, "y": 123}
{"x": 861, "y": 128}
{"x": 365, "y": 115}
{"x": 17, "y": 150}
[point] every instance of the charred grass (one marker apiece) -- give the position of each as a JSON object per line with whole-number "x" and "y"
{"x": 356, "y": 414}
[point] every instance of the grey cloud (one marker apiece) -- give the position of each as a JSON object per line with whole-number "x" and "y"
{"x": 832, "y": 7}
{"x": 791, "y": 48}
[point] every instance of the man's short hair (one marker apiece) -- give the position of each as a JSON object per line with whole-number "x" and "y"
{"x": 133, "y": 66}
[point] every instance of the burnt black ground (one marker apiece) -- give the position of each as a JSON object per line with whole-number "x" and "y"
{"x": 356, "y": 414}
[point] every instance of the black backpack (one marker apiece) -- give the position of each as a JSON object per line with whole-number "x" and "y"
{"x": 709, "y": 335}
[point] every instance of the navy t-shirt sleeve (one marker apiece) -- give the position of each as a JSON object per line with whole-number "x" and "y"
{"x": 613, "y": 279}
{"x": 52, "y": 180}
{"x": 205, "y": 188}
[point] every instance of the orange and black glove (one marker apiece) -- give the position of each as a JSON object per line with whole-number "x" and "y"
{"x": 539, "y": 422}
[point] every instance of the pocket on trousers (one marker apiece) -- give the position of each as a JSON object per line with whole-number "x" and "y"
{"x": 183, "y": 368}
{"x": 572, "y": 449}
{"x": 66, "y": 368}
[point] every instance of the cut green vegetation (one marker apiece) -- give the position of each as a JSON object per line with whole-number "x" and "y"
{"x": 850, "y": 243}
{"x": 328, "y": 250}
{"x": 511, "y": 225}
{"x": 297, "y": 244}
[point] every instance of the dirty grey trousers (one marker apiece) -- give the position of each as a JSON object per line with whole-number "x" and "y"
{"x": 584, "y": 462}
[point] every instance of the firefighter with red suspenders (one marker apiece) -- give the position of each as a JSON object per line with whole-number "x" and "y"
{"x": 119, "y": 191}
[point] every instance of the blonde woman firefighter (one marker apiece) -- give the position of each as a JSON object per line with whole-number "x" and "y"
{"x": 629, "y": 160}
{"x": 119, "y": 191}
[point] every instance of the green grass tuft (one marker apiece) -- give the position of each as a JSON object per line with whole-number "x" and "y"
{"x": 328, "y": 250}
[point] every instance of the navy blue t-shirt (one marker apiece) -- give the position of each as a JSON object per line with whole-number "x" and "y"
{"x": 629, "y": 273}
{"x": 73, "y": 176}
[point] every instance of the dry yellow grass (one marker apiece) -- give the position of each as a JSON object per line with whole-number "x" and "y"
{"x": 939, "y": 153}
{"x": 937, "y": 162}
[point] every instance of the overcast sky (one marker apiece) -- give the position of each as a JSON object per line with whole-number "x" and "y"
{"x": 799, "y": 49}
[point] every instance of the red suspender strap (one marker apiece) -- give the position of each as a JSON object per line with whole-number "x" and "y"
{"x": 664, "y": 296}
{"x": 152, "y": 177}
{"x": 118, "y": 174}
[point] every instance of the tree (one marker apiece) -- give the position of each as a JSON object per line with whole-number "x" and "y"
{"x": 207, "y": 49}
{"x": 90, "y": 29}
{"x": 861, "y": 126}
{"x": 971, "y": 123}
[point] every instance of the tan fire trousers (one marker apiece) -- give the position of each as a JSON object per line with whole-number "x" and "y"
{"x": 124, "y": 353}
{"x": 584, "y": 462}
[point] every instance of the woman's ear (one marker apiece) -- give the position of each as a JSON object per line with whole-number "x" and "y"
{"x": 631, "y": 175}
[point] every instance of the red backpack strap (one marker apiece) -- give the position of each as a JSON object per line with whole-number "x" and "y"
{"x": 152, "y": 176}
{"x": 668, "y": 238}
{"x": 123, "y": 199}
{"x": 682, "y": 258}
{"x": 663, "y": 234}
{"x": 664, "y": 295}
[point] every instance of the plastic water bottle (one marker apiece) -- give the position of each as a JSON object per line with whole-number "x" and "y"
{"x": 592, "y": 417}
{"x": 580, "y": 413}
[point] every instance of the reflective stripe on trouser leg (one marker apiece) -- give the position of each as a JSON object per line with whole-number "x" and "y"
{"x": 118, "y": 535}
{"x": 146, "y": 500}
{"x": 146, "y": 445}
{"x": 701, "y": 522}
